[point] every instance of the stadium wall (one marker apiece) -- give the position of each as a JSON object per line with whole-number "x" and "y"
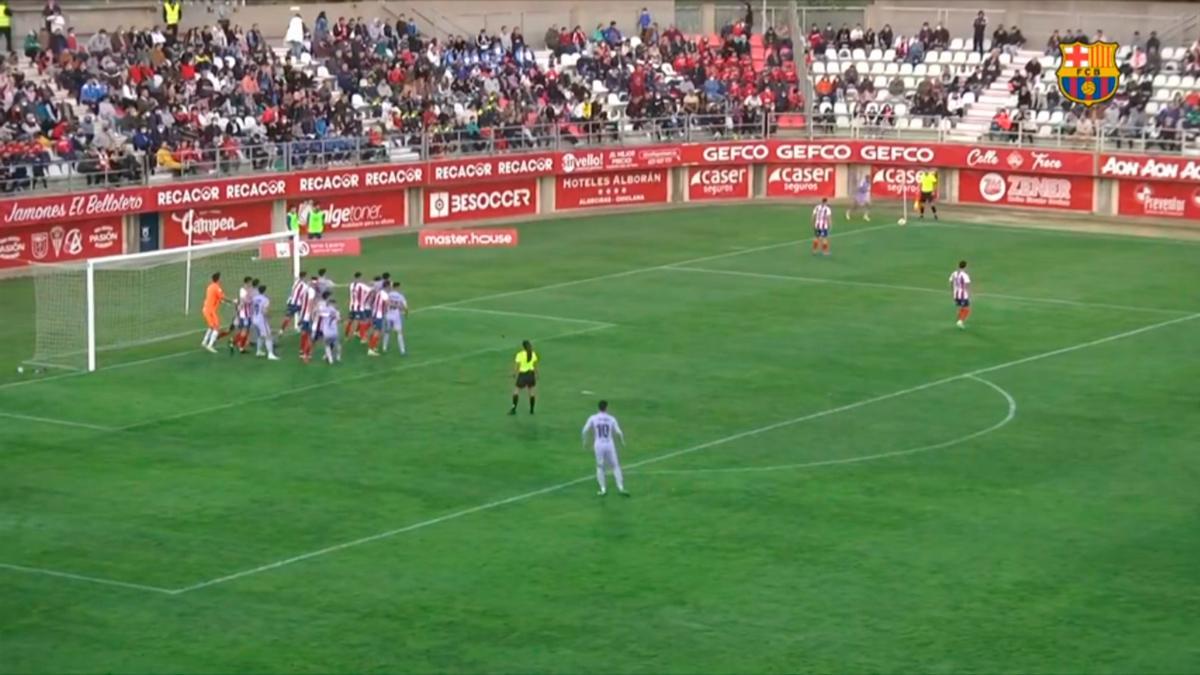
{"x": 377, "y": 199}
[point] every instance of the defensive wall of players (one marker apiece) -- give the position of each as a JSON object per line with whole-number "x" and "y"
{"x": 481, "y": 189}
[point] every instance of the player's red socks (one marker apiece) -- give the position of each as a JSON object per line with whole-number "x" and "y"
{"x": 362, "y": 330}
{"x": 825, "y": 245}
{"x": 816, "y": 244}
{"x": 963, "y": 313}
{"x": 374, "y": 341}
{"x": 349, "y": 327}
{"x": 305, "y": 341}
{"x": 285, "y": 324}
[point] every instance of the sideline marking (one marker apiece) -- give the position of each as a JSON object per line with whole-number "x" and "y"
{"x": 922, "y": 289}
{"x": 524, "y": 315}
{"x": 678, "y": 453}
{"x": 1012, "y": 413}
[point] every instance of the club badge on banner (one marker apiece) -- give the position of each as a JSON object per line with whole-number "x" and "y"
{"x": 893, "y": 182}
{"x": 1070, "y": 193}
{"x": 60, "y": 243}
{"x": 800, "y": 181}
{"x": 363, "y": 211}
{"x": 1159, "y": 200}
{"x": 718, "y": 183}
{"x": 496, "y": 199}
{"x": 216, "y": 223}
{"x": 613, "y": 189}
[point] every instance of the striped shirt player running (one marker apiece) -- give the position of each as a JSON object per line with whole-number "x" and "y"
{"x": 293, "y": 301}
{"x": 960, "y": 287}
{"x": 822, "y": 216}
{"x": 862, "y": 197}
{"x": 360, "y": 292}
{"x": 237, "y": 343}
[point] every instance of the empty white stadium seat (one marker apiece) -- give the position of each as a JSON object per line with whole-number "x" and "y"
{"x": 1174, "y": 81}
{"x": 968, "y": 98}
{"x": 974, "y": 59}
{"x": 1162, "y": 95}
{"x": 840, "y": 108}
{"x": 1152, "y": 108}
{"x": 863, "y": 67}
{"x": 945, "y": 57}
{"x": 910, "y": 83}
{"x": 843, "y": 122}
{"x": 881, "y": 82}
{"x": 935, "y": 69}
{"x": 859, "y": 54}
{"x": 892, "y": 69}
{"x": 920, "y": 70}
{"x": 906, "y": 69}
{"x": 956, "y": 44}
{"x": 1188, "y": 82}
{"x": 901, "y": 110}
{"x": 960, "y": 58}
{"x": 931, "y": 56}
{"x": 876, "y": 55}
{"x": 889, "y": 55}
{"x": 1160, "y": 80}
{"x": 1056, "y": 117}
{"x": 818, "y": 67}
{"x": 1044, "y": 130}
{"x": 1005, "y": 58}
{"x": 1043, "y": 116}
{"x": 877, "y": 67}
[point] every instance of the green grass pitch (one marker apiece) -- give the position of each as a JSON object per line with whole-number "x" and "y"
{"x": 827, "y": 475}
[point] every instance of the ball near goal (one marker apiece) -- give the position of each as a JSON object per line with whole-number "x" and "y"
{"x": 902, "y": 222}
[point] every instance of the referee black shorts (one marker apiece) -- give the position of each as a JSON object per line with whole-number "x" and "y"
{"x": 526, "y": 380}
{"x": 926, "y": 197}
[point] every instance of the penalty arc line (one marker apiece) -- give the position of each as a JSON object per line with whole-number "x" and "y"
{"x": 678, "y": 453}
{"x": 1009, "y": 417}
{"x": 81, "y": 577}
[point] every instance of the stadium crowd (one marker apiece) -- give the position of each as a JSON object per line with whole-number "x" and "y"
{"x": 222, "y": 97}
{"x": 173, "y": 100}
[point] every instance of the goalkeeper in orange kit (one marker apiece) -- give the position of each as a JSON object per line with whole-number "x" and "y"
{"x": 214, "y": 295}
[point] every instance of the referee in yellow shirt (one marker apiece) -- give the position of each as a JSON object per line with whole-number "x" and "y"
{"x": 525, "y": 369}
{"x": 929, "y": 181}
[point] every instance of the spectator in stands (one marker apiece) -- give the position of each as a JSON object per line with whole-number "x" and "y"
{"x": 842, "y": 38}
{"x": 978, "y": 27}
{"x": 1001, "y": 126}
{"x": 294, "y": 37}
{"x": 612, "y": 34}
{"x": 850, "y": 77}
{"x": 941, "y": 37}
{"x": 553, "y": 42}
{"x": 916, "y": 52}
{"x": 1015, "y": 41}
{"x": 954, "y": 104}
{"x": 1153, "y": 44}
{"x": 856, "y": 37}
{"x": 1136, "y": 40}
{"x": 1052, "y": 44}
{"x": 869, "y": 38}
{"x": 1033, "y": 68}
{"x": 896, "y": 87}
{"x": 999, "y": 38}
{"x": 824, "y": 88}
{"x": 644, "y": 22}
{"x": 992, "y": 68}
{"x": 885, "y": 37}
{"x": 816, "y": 41}
{"x": 1085, "y": 128}
{"x": 828, "y": 33}
{"x": 1170, "y": 120}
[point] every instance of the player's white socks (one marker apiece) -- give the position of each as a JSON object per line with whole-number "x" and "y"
{"x": 386, "y": 335}
{"x": 600, "y": 478}
{"x": 400, "y": 343}
{"x": 208, "y": 334}
{"x": 616, "y": 469}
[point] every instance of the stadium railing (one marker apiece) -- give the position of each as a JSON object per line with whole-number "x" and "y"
{"x": 65, "y": 175}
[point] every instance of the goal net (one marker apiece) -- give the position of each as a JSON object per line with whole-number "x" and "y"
{"x": 86, "y": 309}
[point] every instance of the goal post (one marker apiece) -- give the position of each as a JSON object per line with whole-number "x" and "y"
{"x": 88, "y": 308}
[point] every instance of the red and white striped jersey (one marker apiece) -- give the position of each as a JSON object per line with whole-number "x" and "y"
{"x": 379, "y": 304}
{"x": 297, "y": 291}
{"x": 822, "y": 216}
{"x": 308, "y": 303}
{"x": 245, "y": 295}
{"x": 960, "y": 283}
{"x": 359, "y": 293}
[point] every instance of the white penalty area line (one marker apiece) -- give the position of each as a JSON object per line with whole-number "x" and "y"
{"x": 524, "y": 315}
{"x": 82, "y": 577}
{"x": 975, "y": 374}
{"x": 54, "y": 421}
{"x": 409, "y": 365}
{"x": 921, "y": 289}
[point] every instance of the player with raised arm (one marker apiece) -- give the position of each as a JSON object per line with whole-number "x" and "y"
{"x": 260, "y": 319}
{"x": 306, "y": 316}
{"x": 293, "y": 302}
{"x": 822, "y": 216}
{"x": 214, "y": 296}
{"x": 862, "y": 197}
{"x": 379, "y": 308}
{"x": 605, "y": 431}
{"x": 960, "y": 285}
{"x": 359, "y": 292}
{"x": 328, "y": 329}
{"x": 397, "y": 312}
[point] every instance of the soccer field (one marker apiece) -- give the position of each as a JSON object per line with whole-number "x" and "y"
{"x": 827, "y": 475}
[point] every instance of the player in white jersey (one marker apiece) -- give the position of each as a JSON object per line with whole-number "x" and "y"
{"x": 960, "y": 288}
{"x": 379, "y": 307}
{"x": 323, "y": 282}
{"x": 328, "y": 329}
{"x": 260, "y": 320}
{"x": 397, "y": 312}
{"x": 822, "y": 217}
{"x": 605, "y": 431}
{"x": 862, "y": 197}
{"x": 360, "y": 293}
{"x": 293, "y": 302}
